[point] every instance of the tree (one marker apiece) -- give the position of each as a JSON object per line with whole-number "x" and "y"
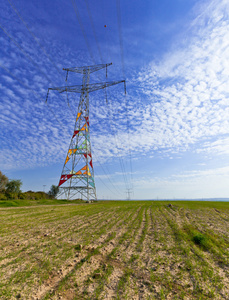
{"x": 13, "y": 186}
{"x": 3, "y": 182}
{"x": 54, "y": 190}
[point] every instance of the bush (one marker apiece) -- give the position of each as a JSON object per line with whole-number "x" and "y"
{"x": 2, "y": 196}
{"x": 201, "y": 240}
{"x": 11, "y": 196}
{"x": 41, "y": 195}
{"x": 30, "y": 195}
{"x": 22, "y": 196}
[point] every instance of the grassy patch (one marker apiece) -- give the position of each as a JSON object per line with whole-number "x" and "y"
{"x": 201, "y": 240}
{"x": 25, "y": 202}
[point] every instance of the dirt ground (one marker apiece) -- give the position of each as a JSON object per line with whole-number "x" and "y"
{"x": 115, "y": 250}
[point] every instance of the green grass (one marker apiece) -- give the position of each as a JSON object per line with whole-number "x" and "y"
{"x": 25, "y": 202}
{"x": 175, "y": 204}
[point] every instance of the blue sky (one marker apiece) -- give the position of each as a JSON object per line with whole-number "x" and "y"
{"x": 167, "y": 138}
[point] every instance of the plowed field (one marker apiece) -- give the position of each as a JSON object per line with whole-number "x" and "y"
{"x": 115, "y": 250}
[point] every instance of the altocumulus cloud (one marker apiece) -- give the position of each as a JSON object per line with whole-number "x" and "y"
{"x": 189, "y": 87}
{"x": 183, "y": 99}
{"x": 179, "y": 102}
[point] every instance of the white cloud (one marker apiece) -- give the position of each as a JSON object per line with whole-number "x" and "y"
{"x": 190, "y": 85}
{"x": 218, "y": 147}
{"x": 179, "y": 101}
{"x": 208, "y": 183}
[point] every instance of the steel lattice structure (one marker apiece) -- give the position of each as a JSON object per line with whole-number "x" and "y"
{"x": 77, "y": 177}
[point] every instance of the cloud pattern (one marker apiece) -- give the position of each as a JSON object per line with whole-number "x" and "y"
{"x": 172, "y": 106}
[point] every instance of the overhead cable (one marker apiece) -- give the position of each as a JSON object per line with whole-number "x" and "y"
{"x": 115, "y": 136}
{"x": 120, "y": 35}
{"x": 31, "y": 60}
{"x": 83, "y": 31}
{"x": 63, "y": 127}
{"x": 35, "y": 38}
{"x": 37, "y": 95}
{"x": 106, "y": 174}
{"x": 93, "y": 28}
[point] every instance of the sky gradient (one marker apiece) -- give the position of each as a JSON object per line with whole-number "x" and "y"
{"x": 167, "y": 138}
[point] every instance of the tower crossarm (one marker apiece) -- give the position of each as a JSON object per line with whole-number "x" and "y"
{"x": 83, "y": 70}
{"x": 88, "y": 87}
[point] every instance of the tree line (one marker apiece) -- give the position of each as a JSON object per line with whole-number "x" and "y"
{"x": 11, "y": 189}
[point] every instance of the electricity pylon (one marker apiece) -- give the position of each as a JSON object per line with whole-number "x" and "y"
{"x": 128, "y": 193}
{"x": 77, "y": 177}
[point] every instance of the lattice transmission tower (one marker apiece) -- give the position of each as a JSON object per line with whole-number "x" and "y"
{"x": 77, "y": 177}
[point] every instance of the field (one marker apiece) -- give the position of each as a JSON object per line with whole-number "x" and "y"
{"x": 115, "y": 250}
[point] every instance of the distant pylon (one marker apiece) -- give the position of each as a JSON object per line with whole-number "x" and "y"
{"x": 128, "y": 193}
{"x": 77, "y": 177}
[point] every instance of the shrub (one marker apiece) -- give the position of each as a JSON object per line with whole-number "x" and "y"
{"x": 11, "y": 196}
{"x": 201, "y": 240}
{"x": 22, "y": 196}
{"x": 78, "y": 247}
{"x": 41, "y": 195}
{"x": 2, "y": 196}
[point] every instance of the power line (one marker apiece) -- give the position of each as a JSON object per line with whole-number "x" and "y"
{"x": 123, "y": 170}
{"x": 60, "y": 123}
{"x": 35, "y": 38}
{"x": 93, "y": 29}
{"x": 128, "y": 132}
{"x": 30, "y": 59}
{"x": 39, "y": 44}
{"x": 90, "y": 52}
{"x": 123, "y": 69}
{"x": 122, "y": 165}
{"x": 21, "y": 49}
{"x": 89, "y": 49}
{"x": 120, "y": 34}
{"x": 115, "y": 135}
{"x": 35, "y": 93}
{"x": 105, "y": 184}
{"x": 106, "y": 174}
{"x": 81, "y": 137}
{"x": 106, "y": 29}
{"x": 83, "y": 31}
